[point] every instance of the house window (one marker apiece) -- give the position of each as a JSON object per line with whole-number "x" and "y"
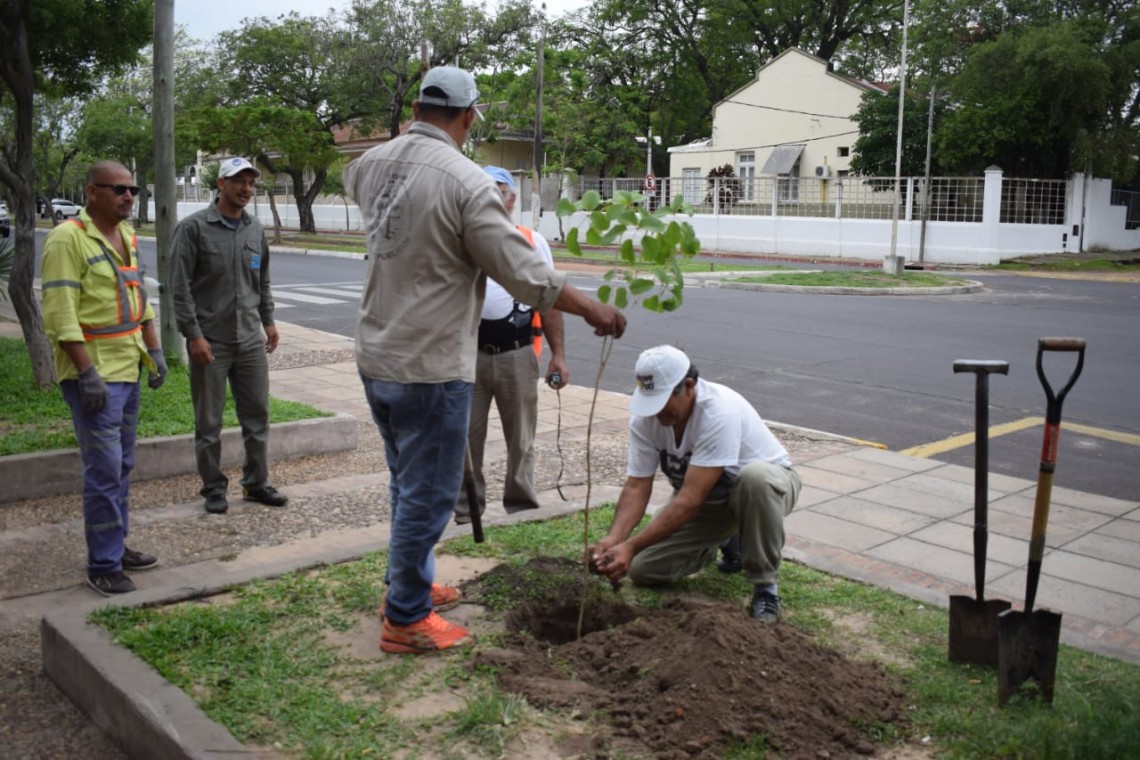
{"x": 789, "y": 184}
{"x": 746, "y": 171}
{"x": 844, "y": 152}
{"x": 691, "y": 184}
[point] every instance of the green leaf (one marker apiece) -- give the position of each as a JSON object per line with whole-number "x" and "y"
{"x": 565, "y": 207}
{"x": 627, "y": 254}
{"x": 613, "y": 235}
{"x": 653, "y": 303}
{"x": 598, "y": 221}
{"x": 621, "y": 300}
{"x": 671, "y": 304}
{"x": 611, "y": 274}
{"x": 651, "y": 223}
{"x": 640, "y": 285}
{"x": 650, "y": 246}
{"x": 591, "y": 200}
{"x": 592, "y": 237}
{"x": 604, "y": 293}
{"x": 572, "y": 242}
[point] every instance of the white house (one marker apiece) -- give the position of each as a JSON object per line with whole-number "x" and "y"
{"x": 795, "y": 119}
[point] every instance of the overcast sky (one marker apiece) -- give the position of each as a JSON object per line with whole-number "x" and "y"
{"x": 205, "y": 18}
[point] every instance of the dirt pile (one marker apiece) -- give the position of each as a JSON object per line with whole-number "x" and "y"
{"x": 690, "y": 679}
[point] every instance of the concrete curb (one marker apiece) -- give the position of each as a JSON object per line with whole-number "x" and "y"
{"x": 953, "y": 290}
{"x": 27, "y": 476}
{"x": 145, "y": 714}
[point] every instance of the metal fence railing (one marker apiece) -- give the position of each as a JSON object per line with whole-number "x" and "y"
{"x": 1130, "y": 199}
{"x": 941, "y": 199}
{"x": 1033, "y": 201}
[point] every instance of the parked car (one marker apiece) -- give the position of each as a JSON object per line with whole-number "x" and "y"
{"x": 5, "y": 221}
{"x": 64, "y": 208}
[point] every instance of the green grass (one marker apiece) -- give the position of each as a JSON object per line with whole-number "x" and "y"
{"x": 858, "y": 280}
{"x": 35, "y": 420}
{"x": 262, "y": 666}
{"x": 1070, "y": 265}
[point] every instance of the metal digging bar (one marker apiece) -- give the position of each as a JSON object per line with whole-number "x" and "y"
{"x": 1028, "y": 640}
{"x": 974, "y": 620}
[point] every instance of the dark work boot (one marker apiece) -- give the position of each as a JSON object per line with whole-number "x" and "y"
{"x": 730, "y": 560}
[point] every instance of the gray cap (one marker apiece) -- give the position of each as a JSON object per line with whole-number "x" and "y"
{"x": 453, "y": 87}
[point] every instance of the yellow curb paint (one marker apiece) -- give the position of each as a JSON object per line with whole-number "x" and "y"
{"x": 967, "y": 439}
{"x": 1109, "y": 435}
{"x": 872, "y": 444}
{"x": 927, "y": 450}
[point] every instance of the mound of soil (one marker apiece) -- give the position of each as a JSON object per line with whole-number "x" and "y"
{"x": 690, "y": 679}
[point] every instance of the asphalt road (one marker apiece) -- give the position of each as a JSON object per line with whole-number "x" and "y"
{"x": 873, "y": 368}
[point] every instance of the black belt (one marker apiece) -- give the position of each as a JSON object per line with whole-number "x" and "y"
{"x": 493, "y": 348}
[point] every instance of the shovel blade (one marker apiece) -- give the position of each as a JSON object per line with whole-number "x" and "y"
{"x": 974, "y": 630}
{"x": 1027, "y": 651}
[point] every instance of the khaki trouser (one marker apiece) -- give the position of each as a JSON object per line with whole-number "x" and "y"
{"x": 763, "y": 495}
{"x": 511, "y": 380}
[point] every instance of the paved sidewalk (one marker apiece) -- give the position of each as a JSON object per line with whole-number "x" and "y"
{"x": 885, "y": 518}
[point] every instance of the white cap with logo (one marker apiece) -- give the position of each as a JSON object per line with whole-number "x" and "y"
{"x": 658, "y": 371}
{"x": 232, "y": 166}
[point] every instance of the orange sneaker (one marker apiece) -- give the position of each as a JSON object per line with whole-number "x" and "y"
{"x": 443, "y": 598}
{"x": 427, "y": 636}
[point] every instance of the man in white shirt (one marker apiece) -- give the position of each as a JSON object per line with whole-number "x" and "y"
{"x": 729, "y": 475}
{"x": 506, "y": 372}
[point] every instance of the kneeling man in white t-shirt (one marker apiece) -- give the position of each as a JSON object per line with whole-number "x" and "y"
{"x": 729, "y": 474}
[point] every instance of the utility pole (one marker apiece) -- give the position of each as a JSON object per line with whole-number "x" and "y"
{"x": 892, "y": 263}
{"x": 926, "y": 178}
{"x": 536, "y": 181}
{"x": 165, "y": 206}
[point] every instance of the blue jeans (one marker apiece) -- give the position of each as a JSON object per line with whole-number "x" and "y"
{"x": 107, "y": 446}
{"x": 424, "y": 427}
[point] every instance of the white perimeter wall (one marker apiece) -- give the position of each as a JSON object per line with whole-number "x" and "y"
{"x": 987, "y": 242}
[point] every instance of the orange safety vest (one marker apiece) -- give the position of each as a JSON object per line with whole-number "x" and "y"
{"x": 130, "y": 310}
{"x": 536, "y": 320}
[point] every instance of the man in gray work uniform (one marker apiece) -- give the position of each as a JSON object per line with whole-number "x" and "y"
{"x": 224, "y": 308}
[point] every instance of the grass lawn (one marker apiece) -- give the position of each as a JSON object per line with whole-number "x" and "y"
{"x": 1072, "y": 265}
{"x": 857, "y": 280}
{"x": 280, "y": 664}
{"x": 34, "y": 420}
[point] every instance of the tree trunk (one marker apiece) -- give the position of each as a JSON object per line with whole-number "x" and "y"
{"x": 305, "y": 198}
{"x": 19, "y": 173}
{"x": 276, "y": 215}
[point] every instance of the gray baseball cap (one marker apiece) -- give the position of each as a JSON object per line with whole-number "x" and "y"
{"x": 449, "y": 86}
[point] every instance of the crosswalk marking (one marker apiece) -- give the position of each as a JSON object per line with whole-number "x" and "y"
{"x": 345, "y": 292}
{"x": 291, "y": 295}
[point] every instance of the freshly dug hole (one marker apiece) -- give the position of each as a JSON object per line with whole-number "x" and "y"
{"x": 689, "y": 679}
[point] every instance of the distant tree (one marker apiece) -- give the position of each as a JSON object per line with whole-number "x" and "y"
{"x": 874, "y": 151}
{"x": 1033, "y": 102}
{"x": 59, "y": 48}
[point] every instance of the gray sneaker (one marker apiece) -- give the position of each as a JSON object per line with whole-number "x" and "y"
{"x": 133, "y": 560}
{"x": 765, "y": 607}
{"x": 111, "y": 584}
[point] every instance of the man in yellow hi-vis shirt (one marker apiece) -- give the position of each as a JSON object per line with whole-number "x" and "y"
{"x": 101, "y": 329}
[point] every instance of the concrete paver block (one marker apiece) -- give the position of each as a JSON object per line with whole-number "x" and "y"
{"x": 1060, "y": 515}
{"x": 1091, "y": 571}
{"x": 1065, "y": 596}
{"x": 834, "y": 531}
{"x": 936, "y": 560}
{"x": 1105, "y": 544}
{"x": 994, "y": 481}
{"x": 894, "y": 459}
{"x": 896, "y": 495}
{"x": 831, "y": 481}
{"x": 873, "y": 515}
{"x": 1091, "y": 501}
{"x": 1124, "y": 529}
{"x": 859, "y": 467}
{"x": 960, "y": 538}
{"x": 811, "y": 496}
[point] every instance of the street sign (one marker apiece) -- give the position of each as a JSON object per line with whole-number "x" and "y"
{"x": 650, "y": 182}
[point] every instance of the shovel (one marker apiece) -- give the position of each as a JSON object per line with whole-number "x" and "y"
{"x": 1028, "y": 640}
{"x": 472, "y": 497}
{"x": 974, "y": 620}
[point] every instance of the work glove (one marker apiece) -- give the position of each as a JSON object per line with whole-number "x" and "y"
{"x": 92, "y": 390}
{"x": 158, "y": 377}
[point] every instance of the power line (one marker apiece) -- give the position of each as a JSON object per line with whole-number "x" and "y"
{"x": 787, "y": 110}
